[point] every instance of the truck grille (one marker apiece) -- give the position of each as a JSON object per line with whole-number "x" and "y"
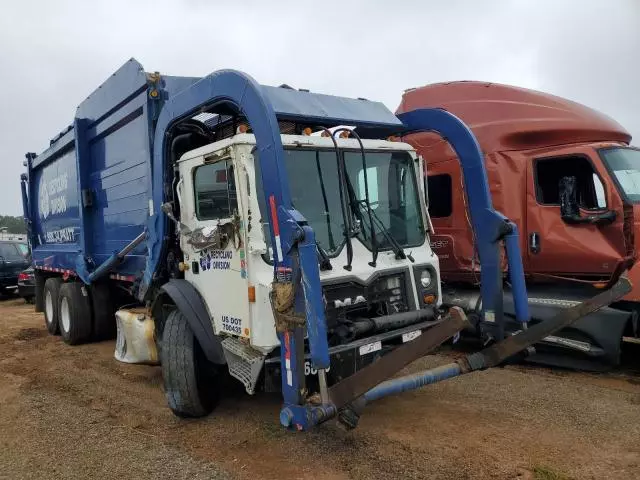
{"x": 383, "y": 295}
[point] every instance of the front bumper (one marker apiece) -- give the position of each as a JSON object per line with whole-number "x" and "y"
{"x": 9, "y": 283}
{"x": 348, "y": 358}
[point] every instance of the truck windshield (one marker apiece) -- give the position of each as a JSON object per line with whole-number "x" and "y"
{"x": 393, "y": 196}
{"x": 625, "y": 165}
{"x": 313, "y": 181}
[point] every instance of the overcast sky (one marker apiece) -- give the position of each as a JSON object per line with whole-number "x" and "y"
{"x": 54, "y": 53}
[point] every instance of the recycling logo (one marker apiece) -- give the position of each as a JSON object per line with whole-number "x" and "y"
{"x": 43, "y": 199}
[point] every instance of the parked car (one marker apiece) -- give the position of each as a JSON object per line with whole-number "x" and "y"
{"x": 27, "y": 285}
{"x": 14, "y": 258}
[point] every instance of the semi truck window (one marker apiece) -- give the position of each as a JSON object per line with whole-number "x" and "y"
{"x": 625, "y": 164}
{"x": 215, "y": 191}
{"x": 440, "y": 195}
{"x": 549, "y": 172}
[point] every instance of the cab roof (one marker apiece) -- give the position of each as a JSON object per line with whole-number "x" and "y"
{"x": 504, "y": 117}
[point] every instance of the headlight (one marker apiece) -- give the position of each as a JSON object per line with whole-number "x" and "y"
{"x": 425, "y": 279}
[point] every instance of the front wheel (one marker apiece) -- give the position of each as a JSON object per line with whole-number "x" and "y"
{"x": 190, "y": 380}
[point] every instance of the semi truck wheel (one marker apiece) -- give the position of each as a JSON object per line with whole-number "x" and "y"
{"x": 75, "y": 313}
{"x": 104, "y": 312}
{"x": 50, "y": 300}
{"x": 189, "y": 379}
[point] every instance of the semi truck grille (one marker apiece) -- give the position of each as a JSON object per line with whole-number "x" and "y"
{"x": 383, "y": 295}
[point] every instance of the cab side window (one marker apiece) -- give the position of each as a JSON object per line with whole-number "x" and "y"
{"x": 215, "y": 191}
{"x": 440, "y": 195}
{"x": 550, "y": 172}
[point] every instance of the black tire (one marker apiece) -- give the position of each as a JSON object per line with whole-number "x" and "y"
{"x": 190, "y": 380}
{"x": 104, "y": 312}
{"x": 50, "y": 304}
{"x": 74, "y": 309}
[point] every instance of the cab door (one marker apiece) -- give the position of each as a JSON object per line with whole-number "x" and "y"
{"x": 211, "y": 201}
{"x": 558, "y": 247}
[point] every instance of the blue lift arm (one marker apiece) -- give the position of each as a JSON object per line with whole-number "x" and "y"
{"x": 295, "y": 257}
{"x": 490, "y": 227}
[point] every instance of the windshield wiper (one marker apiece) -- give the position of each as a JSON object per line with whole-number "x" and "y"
{"x": 348, "y": 230}
{"x": 325, "y": 263}
{"x": 374, "y": 244}
{"x": 397, "y": 248}
{"x": 323, "y": 256}
{"x": 400, "y": 255}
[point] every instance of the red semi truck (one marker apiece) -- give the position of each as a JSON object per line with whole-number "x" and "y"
{"x": 564, "y": 173}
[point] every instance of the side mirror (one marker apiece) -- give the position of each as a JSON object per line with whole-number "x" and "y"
{"x": 568, "y": 197}
{"x": 570, "y": 210}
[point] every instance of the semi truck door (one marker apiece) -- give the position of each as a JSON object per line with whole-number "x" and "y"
{"x": 559, "y": 247}
{"x": 210, "y": 202}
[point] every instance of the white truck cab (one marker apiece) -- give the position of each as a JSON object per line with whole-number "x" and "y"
{"x": 220, "y": 199}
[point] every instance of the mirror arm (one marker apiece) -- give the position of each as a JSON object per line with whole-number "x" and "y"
{"x": 601, "y": 219}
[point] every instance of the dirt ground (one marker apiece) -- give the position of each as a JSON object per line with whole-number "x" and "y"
{"x": 75, "y": 412}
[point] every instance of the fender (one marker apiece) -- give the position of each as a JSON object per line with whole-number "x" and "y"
{"x": 192, "y": 306}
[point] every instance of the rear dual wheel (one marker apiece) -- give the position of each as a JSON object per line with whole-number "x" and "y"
{"x": 77, "y": 312}
{"x": 74, "y": 307}
{"x": 50, "y": 300}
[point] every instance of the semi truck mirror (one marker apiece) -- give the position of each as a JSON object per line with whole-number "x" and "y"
{"x": 570, "y": 210}
{"x": 568, "y": 197}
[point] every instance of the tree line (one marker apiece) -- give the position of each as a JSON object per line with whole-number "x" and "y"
{"x": 13, "y": 224}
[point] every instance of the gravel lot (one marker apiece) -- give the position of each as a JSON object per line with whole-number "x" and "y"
{"x": 74, "y": 412}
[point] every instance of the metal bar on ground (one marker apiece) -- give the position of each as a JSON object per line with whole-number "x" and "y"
{"x": 368, "y": 377}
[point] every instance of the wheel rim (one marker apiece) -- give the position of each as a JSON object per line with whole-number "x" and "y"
{"x": 48, "y": 307}
{"x": 65, "y": 314}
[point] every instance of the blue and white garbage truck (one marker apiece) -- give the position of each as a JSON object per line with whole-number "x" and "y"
{"x": 261, "y": 239}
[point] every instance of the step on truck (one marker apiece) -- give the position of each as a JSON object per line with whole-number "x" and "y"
{"x": 229, "y": 229}
{"x": 568, "y": 178}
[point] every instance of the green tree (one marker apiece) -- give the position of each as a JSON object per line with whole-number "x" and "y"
{"x": 13, "y": 224}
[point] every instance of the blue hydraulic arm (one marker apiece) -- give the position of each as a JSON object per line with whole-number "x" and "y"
{"x": 490, "y": 227}
{"x": 297, "y": 293}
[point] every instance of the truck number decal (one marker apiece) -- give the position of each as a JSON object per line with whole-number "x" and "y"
{"x": 310, "y": 370}
{"x": 232, "y": 325}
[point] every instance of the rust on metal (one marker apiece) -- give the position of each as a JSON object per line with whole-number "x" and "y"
{"x": 368, "y": 377}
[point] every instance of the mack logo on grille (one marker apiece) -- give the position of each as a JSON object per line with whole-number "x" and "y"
{"x": 347, "y": 302}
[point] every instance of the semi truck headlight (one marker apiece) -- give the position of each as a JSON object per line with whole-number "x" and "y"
{"x": 425, "y": 278}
